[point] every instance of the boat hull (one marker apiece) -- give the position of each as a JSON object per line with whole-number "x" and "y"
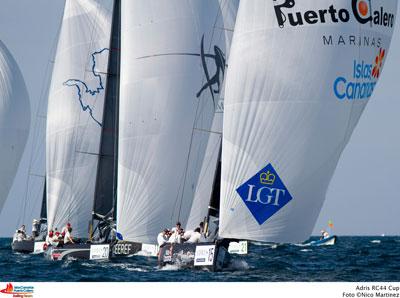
{"x": 28, "y": 246}
{"x": 194, "y": 255}
{"x": 327, "y": 241}
{"x": 127, "y": 248}
{"x": 85, "y": 251}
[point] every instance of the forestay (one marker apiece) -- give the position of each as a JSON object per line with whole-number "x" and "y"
{"x": 75, "y": 112}
{"x": 208, "y": 165}
{"x": 300, "y": 76}
{"x": 15, "y": 118}
{"x": 172, "y": 67}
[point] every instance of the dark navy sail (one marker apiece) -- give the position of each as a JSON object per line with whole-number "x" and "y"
{"x": 106, "y": 173}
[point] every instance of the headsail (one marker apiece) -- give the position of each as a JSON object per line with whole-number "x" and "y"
{"x": 300, "y": 75}
{"x": 172, "y": 65}
{"x": 15, "y": 118}
{"x": 209, "y": 164}
{"x": 75, "y": 112}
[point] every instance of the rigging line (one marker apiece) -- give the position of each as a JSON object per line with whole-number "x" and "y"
{"x": 175, "y": 54}
{"x": 187, "y": 160}
{"x": 224, "y": 29}
{"x": 197, "y": 109}
{"x": 42, "y": 97}
{"x": 87, "y": 90}
{"x": 206, "y": 130}
{"x": 75, "y": 130}
{"x": 37, "y": 175}
{"x": 216, "y": 149}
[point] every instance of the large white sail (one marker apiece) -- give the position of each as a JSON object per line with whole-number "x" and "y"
{"x": 75, "y": 113}
{"x": 300, "y": 76}
{"x": 172, "y": 67}
{"x": 15, "y": 118}
{"x": 209, "y": 164}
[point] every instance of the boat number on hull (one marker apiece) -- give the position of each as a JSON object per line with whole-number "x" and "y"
{"x": 122, "y": 249}
{"x": 99, "y": 252}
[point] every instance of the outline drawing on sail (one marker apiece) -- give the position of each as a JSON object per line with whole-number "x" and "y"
{"x": 76, "y": 82}
{"x": 220, "y": 64}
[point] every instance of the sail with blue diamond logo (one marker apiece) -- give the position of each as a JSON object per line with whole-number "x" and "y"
{"x": 264, "y": 194}
{"x": 296, "y": 88}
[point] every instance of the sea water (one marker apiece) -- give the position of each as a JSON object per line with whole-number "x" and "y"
{"x": 353, "y": 259}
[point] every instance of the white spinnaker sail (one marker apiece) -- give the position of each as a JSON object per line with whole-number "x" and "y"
{"x": 75, "y": 112}
{"x": 208, "y": 164}
{"x": 300, "y": 75}
{"x": 15, "y": 118}
{"x": 166, "y": 109}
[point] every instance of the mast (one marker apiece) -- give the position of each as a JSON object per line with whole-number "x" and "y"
{"x": 106, "y": 172}
{"x": 213, "y": 206}
{"x": 117, "y": 39}
{"x": 43, "y": 210}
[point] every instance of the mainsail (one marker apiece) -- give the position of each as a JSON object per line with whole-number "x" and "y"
{"x": 14, "y": 120}
{"x": 300, "y": 75}
{"x": 75, "y": 113}
{"x": 172, "y": 67}
{"x": 209, "y": 176}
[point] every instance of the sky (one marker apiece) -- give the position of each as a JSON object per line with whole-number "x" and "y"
{"x": 363, "y": 197}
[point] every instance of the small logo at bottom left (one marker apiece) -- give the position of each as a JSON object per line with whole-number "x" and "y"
{"x": 18, "y": 291}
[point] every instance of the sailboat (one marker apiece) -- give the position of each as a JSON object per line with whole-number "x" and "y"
{"x": 80, "y": 135}
{"x": 14, "y": 120}
{"x": 34, "y": 202}
{"x": 173, "y": 62}
{"x": 172, "y": 68}
{"x": 298, "y": 81}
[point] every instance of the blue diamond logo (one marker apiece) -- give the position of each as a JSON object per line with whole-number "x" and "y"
{"x": 264, "y": 194}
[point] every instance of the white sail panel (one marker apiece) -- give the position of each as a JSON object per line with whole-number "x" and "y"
{"x": 300, "y": 75}
{"x": 208, "y": 164}
{"x": 75, "y": 112}
{"x": 172, "y": 66}
{"x": 15, "y": 118}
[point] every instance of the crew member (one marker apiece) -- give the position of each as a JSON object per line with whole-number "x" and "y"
{"x": 195, "y": 237}
{"x": 65, "y": 229}
{"x": 177, "y": 227}
{"x": 35, "y": 228}
{"x": 67, "y": 236}
{"x": 162, "y": 238}
{"x": 324, "y": 234}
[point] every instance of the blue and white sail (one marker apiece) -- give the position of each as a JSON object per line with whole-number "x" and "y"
{"x": 300, "y": 75}
{"x": 75, "y": 113}
{"x": 172, "y": 69}
{"x": 15, "y": 115}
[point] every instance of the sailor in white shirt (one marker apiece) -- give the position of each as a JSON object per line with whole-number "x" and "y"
{"x": 195, "y": 237}
{"x": 54, "y": 241}
{"x": 162, "y": 238}
{"x": 186, "y": 236}
{"x": 175, "y": 237}
{"x": 177, "y": 227}
{"x": 68, "y": 237}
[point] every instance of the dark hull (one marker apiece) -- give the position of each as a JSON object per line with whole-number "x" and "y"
{"x": 27, "y": 246}
{"x": 125, "y": 249}
{"x": 85, "y": 251}
{"x": 194, "y": 255}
